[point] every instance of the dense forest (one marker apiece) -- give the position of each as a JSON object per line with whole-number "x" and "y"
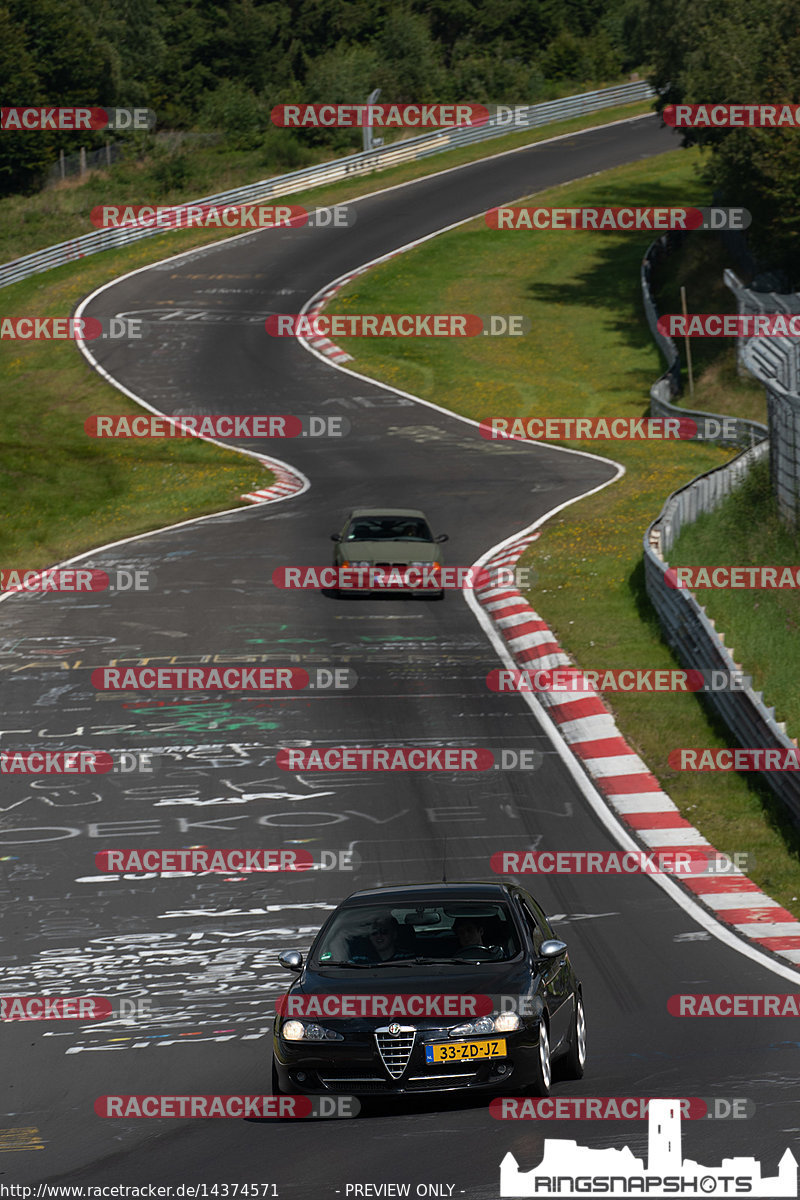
{"x": 207, "y": 66}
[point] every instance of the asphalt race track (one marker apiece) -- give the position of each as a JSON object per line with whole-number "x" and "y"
{"x": 202, "y": 950}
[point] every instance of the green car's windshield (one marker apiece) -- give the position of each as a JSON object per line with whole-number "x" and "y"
{"x": 388, "y": 529}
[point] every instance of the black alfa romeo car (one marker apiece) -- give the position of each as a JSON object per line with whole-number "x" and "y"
{"x": 430, "y": 988}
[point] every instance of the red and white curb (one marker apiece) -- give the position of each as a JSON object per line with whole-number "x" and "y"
{"x": 324, "y": 345}
{"x": 287, "y": 482}
{"x": 624, "y": 781}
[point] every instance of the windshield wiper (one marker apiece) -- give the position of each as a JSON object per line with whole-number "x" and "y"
{"x": 358, "y": 966}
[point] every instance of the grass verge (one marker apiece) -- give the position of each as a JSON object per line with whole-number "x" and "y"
{"x": 589, "y": 354}
{"x": 29, "y": 223}
{"x": 761, "y": 627}
{"x": 61, "y": 493}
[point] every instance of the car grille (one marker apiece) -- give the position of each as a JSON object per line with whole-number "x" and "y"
{"x": 395, "y": 1051}
{"x": 350, "y": 1083}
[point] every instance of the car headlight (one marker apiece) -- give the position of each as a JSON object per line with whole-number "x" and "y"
{"x": 296, "y": 1031}
{"x": 354, "y": 563}
{"x": 504, "y": 1022}
{"x": 434, "y": 566}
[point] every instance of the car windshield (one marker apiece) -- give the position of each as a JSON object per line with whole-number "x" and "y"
{"x": 388, "y": 529}
{"x": 449, "y": 931}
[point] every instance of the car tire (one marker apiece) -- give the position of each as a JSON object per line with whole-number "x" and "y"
{"x": 575, "y": 1058}
{"x": 542, "y": 1077}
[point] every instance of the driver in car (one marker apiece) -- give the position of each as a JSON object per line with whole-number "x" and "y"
{"x": 381, "y": 943}
{"x": 469, "y": 932}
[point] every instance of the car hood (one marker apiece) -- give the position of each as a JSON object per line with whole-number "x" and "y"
{"x": 395, "y": 552}
{"x": 483, "y": 979}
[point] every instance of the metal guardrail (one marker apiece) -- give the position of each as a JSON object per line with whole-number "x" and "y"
{"x": 363, "y": 163}
{"x": 775, "y": 363}
{"x": 687, "y": 629}
{"x": 668, "y": 385}
{"x": 691, "y": 634}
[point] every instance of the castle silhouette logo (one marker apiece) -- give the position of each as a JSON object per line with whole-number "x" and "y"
{"x": 568, "y": 1169}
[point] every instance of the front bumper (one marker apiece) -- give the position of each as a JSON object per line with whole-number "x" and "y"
{"x": 356, "y": 1068}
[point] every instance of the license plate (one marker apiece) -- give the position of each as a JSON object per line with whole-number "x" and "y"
{"x": 459, "y": 1051}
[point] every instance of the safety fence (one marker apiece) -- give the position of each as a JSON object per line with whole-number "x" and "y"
{"x": 687, "y": 629}
{"x": 363, "y": 163}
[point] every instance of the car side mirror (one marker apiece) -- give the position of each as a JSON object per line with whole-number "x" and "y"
{"x": 336, "y": 537}
{"x": 443, "y": 537}
{"x": 552, "y": 948}
{"x": 292, "y": 960}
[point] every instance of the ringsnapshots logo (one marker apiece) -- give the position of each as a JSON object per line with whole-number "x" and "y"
{"x": 397, "y": 325}
{"x": 76, "y": 579}
{"x": 221, "y": 216}
{"x": 70, "y": 329}
{"x": 617, "y": 219}
{"x": 219, "y": 425}
{"x": 569, "y": 1170}
{"x": 46, "y": 118}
